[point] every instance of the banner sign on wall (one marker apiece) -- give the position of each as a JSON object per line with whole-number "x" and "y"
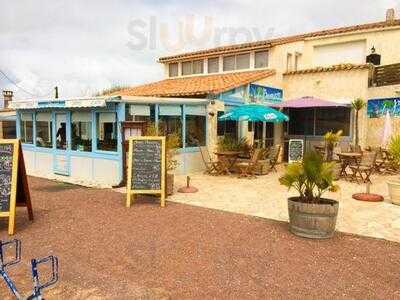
{"x": 265, "y": 93}
{"x": 378, "y": 107}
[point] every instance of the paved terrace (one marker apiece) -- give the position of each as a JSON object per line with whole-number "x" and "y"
{"x": 265, "y": 197}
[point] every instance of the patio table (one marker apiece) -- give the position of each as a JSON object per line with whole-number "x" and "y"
{"x": 347, "y": 158}
{"x": 227, "y": 159}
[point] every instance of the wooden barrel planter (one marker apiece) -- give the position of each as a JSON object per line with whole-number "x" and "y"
{"x": 316, "y": 221}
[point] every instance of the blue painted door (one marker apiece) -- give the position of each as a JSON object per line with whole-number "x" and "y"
{"x": 61, "y": 158}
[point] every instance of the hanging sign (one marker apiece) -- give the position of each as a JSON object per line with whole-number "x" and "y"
{"x": 296, "y": 150}
{"x": 259, "y": 93}
{"x": 14, "y": 189}
{"x": 146, "y": 167}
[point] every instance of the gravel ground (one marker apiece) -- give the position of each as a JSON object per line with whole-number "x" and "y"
{"x": 186, "y": 252}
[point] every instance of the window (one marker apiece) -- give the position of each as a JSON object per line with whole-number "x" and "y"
{"x": 192, "y": 67}
{"x": 139, "y": 113}
{"x": 227, "y": 127}
{"x": 236, "y": 62}
{"x": 243, "y": 61}
{"x": 173, "y": 70}
{"x": 261, "y": 59}
{"x": 198, "y": 66}
{"x": 195, "y": 126}
{"x": 229, "y": 63}
{"x": 170, "y": 120}
{"x": 106, "y": 131}
{"x": 187, "y": 68}
{"x": 44, "y": 130}
{"x": 301, "y": 121}
{"x": 289, "y": 66}
{"x": 296, "y": 60}
{"x": 318, "y": 121}
{"x": 81, "y": 131}
{"x": 334, "y": 119}
{"x": 26, "y": 128}
{"x": 213, "y": 65}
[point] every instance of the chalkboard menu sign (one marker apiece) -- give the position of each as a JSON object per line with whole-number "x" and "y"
{"x": 14, "y": 190}
{"x": 296, "y": 150}
{"x": 6, "y": 172}
{"x": 146, "y": 167}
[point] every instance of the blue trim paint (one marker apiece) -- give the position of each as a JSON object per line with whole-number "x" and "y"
{"x": 156, "y": 121}
{"x": 183, "y": 116}
{"x": 18, "y": 124}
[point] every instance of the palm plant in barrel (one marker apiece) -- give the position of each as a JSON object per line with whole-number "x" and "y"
{"x": 357, "y": 104}
{"x": 310, "y": 215}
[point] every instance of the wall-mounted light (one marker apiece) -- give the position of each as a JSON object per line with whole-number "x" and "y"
{"x": 211, "y": 114}
{"x": 212, "y": 102}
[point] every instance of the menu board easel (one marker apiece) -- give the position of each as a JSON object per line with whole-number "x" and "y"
{"x": 146, "y": 167}
{"x": 14, "y": 190}
{"x": 296, "y": 150}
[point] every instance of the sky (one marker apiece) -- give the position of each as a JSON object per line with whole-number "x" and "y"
{"x": 86, "y": 46}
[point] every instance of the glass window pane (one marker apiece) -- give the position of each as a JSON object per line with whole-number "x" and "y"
{"x": 227, "y": 127}
{"x": 44, "y": 130}
{"x": 335, "y": 118}
{"x": 187, "y": 68}
{"x": 243, "y": 61}
{"x": 229, "y": 63}
{"x": 171, "y": 125}
{"x": 107, "y": 131}
{"x": 301, "y": 121}
{"x": 26, "y": 128}
{"x": 195, "y": 131}
{"x": 173, "y": 70}
{"x": 261, "y": 59}
{"x": 81, "y": 131}
{"x": 213, "y": 65}
{"x": 61, "y": 129}
{"x": 198, "y": 66}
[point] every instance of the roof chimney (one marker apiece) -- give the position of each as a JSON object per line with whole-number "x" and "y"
{"x": 390, "y": 15}
{"x": 8, "y": 95}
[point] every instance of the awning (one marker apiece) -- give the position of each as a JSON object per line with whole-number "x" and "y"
{"x": 306, "y": 102}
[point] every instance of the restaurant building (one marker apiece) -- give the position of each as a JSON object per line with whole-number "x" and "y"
{"x": 82, "y": 138}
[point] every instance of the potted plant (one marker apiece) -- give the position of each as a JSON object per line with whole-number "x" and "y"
{"x": 331, "y": 140}
{"x": 357, "y": 104}
{"x": 310, "y": 215}
{"x": 394, "y": 184}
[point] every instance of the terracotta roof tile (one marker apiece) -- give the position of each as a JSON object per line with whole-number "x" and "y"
{"x": 195, "y": 85}
{"x": 278, "y": 41}
{"x": 339, "y": 67}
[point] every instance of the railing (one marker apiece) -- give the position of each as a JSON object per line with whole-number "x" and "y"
{"x": 386, "y": 75}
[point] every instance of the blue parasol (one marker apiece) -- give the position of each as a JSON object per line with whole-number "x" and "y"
{"x": 255, "y": 112}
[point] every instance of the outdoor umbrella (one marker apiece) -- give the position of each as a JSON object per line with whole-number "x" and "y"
{"x": 387, "y": 130}
{"x": 254, "y": 113}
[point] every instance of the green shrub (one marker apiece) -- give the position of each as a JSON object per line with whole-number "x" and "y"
{"x": 311, "y": 178}
{"x": 230, "y": 143}
{"x": 394, "y": 148}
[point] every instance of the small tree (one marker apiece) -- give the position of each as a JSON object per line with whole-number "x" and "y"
{"x": 394, "y": 149}
{"x": 331, "y": 140}
{"x": 357, "y": 104}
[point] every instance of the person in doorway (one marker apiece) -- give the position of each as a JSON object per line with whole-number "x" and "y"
{"x": 62, "y": 133}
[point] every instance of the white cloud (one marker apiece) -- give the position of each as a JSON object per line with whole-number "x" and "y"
{"x": 83, "y": 46}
